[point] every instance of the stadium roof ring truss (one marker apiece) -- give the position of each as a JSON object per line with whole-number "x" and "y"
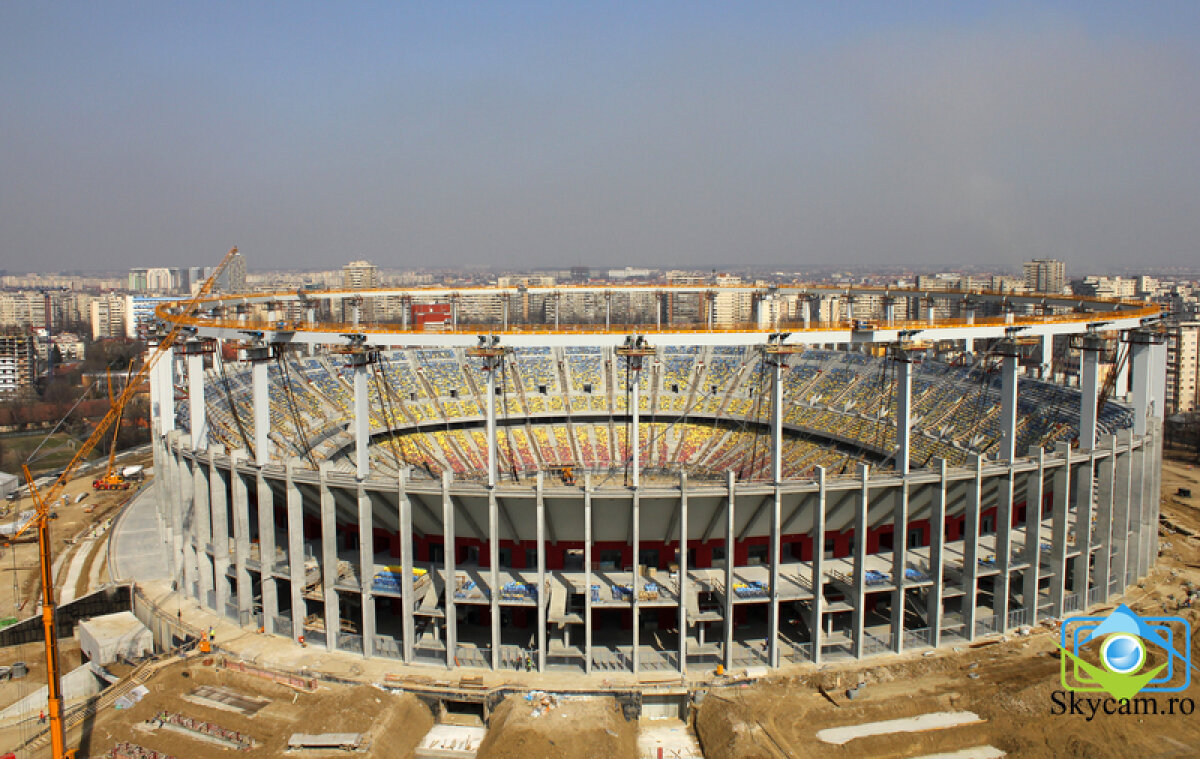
{"x": 219, "y": 317}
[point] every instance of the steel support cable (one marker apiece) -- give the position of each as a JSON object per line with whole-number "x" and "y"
{"x": 397, "y": 449}
{"x": 756, "y": 414}
{"x": 305, "y": 448}
{"x": 237, "y": 418}
{"x": 386, "y": 403}
{"x": 82, "y": 396}
{"x": 512, "y": 458}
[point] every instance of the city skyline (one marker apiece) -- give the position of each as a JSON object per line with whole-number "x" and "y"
{"x": 535, "y": 136}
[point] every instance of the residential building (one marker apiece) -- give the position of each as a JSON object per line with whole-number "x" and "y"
{"x": 1045, "y": 275}
{"x": 1183, "y": 361}
{"x": 18, "y": 362}
{"x": 108, "y": 316}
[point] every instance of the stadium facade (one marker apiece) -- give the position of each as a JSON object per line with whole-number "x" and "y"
{"x": 802, "y": 491}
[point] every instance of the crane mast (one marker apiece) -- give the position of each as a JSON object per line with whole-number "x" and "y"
{"x": 42, "y": 502}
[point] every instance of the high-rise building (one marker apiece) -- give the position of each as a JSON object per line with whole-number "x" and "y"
{"x": 1183, "y": 366}
{"x": 1045, "y": 275}
{"x": 139, "y": 279}
{"x": 158, "y": 280}
{"x": 233, "y": 278}
{"x": 359, "y": 275}
{"x": 108, "y": 316}
{"x": 17, "y": 362}
{"x": 139, "y": 317}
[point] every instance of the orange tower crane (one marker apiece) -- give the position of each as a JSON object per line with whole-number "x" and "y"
{"x": 43, "y": 501}
{"x": 111, "y": 479}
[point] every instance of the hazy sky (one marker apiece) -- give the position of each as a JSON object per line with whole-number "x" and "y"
{"x": 531, "y": 134}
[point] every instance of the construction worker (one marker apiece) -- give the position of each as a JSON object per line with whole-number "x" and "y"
{"x": 301, "y": 640}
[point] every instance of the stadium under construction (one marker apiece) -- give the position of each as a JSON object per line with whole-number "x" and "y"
{"x": 658, "y": 496}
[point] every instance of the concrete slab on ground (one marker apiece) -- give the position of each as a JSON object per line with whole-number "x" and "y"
{"x": 675, "y": 739}
{"x": 137, "y": 546}
{"x": 450, "y": 742}
{"x": 918, "y": 724}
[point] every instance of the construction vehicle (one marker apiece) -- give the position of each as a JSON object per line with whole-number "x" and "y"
{"x": 43, "y": 501}
{"x": 112, "y": 479}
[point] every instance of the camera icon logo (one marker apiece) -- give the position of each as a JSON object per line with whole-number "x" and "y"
{"x": 1124, "y": 654}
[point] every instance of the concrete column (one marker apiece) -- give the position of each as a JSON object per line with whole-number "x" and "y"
{"x": 903, "y": 410}
{"x": 295, "y": 526}
{"x": 262, "y": 413}
{"x": 167, "y": 390}
{"x": 635, "y": 414}
{"x": 450, "y": 569}
{"x": 188, "y": 535}
{"x": 219, "y": 510}
{"x": 730, "y": 503}
{"x": 861, "y": 522}
{"x": 776, "y": 423}
{"x": 1058, "y": 540}
{"x": 1121, "y": 385}
{"x": 937, "y": 543}
{"x": 899, "y": 564}
{"x": 1121, "y": 495}
{"x": 407, "y": 594}
{"x": 970, "y": 342}
{"x": 970, "y": 583}
{"x": 1034, "y": 492}
{"x": 773, "y": 608}
{"x": 1089, "y": 389}
{"x": 329, "y": 560}
{"x": 1106, "y": 482}
{"x": 542, "y": 594}
{"x": 1082, "y": 488}
{"x": 158, "y": 404}
{"x": 1007, "y": 450}
{"x": 1143, "y": 482}
{"x": 196, "y": 408}
{"x": 1142, "y": 393}
{"x": 818, "y": 568}
{"x": 683, "y": 573}
{"x": 637, "y": 580}
{"x": 1156, "y": 429}
{"x": 362, "y": 420}
{"x": 366, "y": 569}
{"x": 1158, "y": 380}
{"x": 168, "y": 490}
{"x": 241, "y": 540}
{"x": 266, "y": 552}
{"x": 494, "y": 574}
{"x": 587, "y": 573}
{"x": 203, "y": 530}
{"x": 1047, "y": 359}
{"x": 1005, "y": 495}
{"x": 492, "y": 367}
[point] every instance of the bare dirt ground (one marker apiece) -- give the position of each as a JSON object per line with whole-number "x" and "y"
{"x": 20, "y": 587}
{"x": 591, "y": 728}
{"x": 392, "y": 723}
{"x": 1010, "y": 685}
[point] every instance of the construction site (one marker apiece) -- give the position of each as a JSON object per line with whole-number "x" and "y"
{"x": 213, "y": 594}
{"x": 261, "y": 696}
